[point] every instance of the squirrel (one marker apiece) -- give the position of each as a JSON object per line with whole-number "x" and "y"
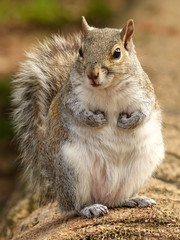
{"x": 88, "y": 121}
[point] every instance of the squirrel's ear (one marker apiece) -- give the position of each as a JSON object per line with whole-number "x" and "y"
{"x": 127, "y": 32}
{"x": 85, "y": 26}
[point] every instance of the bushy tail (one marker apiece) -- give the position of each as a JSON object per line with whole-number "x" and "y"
{"x": 34, "y": 87}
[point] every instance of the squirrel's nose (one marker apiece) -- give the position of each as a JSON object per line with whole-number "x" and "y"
{"x": 92, "y": 74}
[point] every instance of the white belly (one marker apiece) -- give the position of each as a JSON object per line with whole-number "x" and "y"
{"x": 113, "y": 164}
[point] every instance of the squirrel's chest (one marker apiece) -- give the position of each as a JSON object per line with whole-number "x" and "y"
{"x": 112, "y": 101}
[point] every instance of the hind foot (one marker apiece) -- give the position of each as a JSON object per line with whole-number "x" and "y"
{"x": 142, "y": 202}
{"x": 95, "y": 210}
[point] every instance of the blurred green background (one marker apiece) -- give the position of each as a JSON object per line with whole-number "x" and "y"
{"x": 22, "y": 22}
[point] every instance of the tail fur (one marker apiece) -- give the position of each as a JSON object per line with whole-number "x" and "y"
{"x": 34, "y": 87}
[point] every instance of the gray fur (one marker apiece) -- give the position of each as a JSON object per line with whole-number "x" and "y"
{"x": 131, "y": 121}
{"x": 65, "y": 183}
{"x": 36, "y": 84}
{"x": 83, "y": 116}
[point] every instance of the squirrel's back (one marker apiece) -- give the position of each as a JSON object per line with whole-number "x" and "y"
{"x": 34, "y": 87}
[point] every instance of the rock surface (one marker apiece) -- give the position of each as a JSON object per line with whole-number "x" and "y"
{"x": 160, "y": 222}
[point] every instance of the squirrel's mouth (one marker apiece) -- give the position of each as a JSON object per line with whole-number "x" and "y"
{"x": 94, "y": 84}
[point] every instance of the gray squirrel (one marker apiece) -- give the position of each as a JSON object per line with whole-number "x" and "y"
{"x": 88, "y": 121}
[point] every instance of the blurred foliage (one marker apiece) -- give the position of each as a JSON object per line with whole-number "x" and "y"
{"x": 6, "y": 131}
{"x": 54, "y": 12}
{"x": 35, "y": 11}
{"x": 98, "y": 10}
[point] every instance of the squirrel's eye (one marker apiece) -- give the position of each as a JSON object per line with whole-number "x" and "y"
{"x": 80, "y": 52}
{"x": 117, "y": 53}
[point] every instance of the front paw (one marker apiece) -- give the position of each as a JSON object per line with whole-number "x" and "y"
{"x": 94, "y": 119}
{"x": 130, "y": 121}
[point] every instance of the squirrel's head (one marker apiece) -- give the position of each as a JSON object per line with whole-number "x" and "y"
{"x": 104, "y": 53}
